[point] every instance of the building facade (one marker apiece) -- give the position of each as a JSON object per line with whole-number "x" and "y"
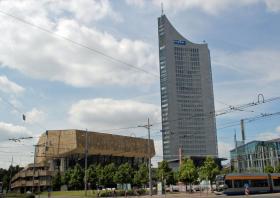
{"x": 187, "y": 100}
{"x": 59, "y": 150}
{"x": 255, "y": 156}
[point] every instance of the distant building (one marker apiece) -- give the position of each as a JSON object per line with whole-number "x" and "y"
{"x": 255, "y": 156}
{"x": 187, "y": 100}
{"x": 59, "y": 150}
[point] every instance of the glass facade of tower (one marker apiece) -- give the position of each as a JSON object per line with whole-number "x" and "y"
{"x": 187, "y": 101}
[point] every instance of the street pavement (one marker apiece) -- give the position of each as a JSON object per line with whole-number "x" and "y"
{"x": 187, "y": 195}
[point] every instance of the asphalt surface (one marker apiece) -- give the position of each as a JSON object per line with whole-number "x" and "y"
{"x": 187, "y": 195}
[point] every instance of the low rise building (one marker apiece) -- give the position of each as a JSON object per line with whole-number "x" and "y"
{"x": 59, "y": 150}
{"x": 255, "y": 156}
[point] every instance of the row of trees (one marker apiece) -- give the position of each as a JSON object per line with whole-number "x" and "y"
{"x": 110, "y": 175}
{"x": 97, "y": 175}
{"x": 189, "y": 173}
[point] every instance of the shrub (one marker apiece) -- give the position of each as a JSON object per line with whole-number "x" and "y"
{"x": 105, "y": 193}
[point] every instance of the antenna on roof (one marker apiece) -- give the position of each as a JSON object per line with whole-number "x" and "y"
{"x": 161, "y": 8}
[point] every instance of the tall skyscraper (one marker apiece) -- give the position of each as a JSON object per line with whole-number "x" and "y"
{"x": 187, "y": 100}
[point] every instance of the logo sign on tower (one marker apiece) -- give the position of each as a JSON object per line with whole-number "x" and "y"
{"x": 179, "y": 42}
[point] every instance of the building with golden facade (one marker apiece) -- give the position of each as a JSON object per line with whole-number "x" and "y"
{"x": 58, "y": 150}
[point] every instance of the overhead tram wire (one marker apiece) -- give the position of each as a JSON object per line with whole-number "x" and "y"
{"x": 224, "y": 111}
{"x": 80, "y": 44}
{"x": 252, "y": 119}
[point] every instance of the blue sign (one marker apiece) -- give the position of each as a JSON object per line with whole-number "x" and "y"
{"x": 179, "y": 42}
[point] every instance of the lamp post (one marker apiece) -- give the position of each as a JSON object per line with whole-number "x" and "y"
{"x": 148, "y": 126}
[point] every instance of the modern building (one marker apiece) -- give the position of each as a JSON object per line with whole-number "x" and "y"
{"x": 187, "y": 100}
{"x": 255, "y": 156}
{"x": 59, "y": 150}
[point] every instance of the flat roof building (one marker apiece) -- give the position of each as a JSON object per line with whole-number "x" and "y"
{"x": 58, "y": 150}
{"x": 187, "y": 100}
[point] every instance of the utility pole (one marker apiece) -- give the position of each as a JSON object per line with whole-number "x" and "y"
{"x": 35, "y": 146}
{"x": 242, "y": 130}
{"x": 86, "y": 156}
{"x": 148, "y": 126}
{"x": 11, "y": 174}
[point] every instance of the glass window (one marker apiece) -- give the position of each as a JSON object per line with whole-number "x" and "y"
{"x": 259, "y": 183}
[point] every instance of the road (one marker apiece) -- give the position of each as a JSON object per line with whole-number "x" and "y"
{"x": 193, "y": 195}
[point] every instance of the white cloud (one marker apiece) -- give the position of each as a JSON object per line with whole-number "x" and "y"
{"x": 269, "y": 135}
{"x": 273, "y": 5}
{"x": 208, "y": 6}
{"x": 104, "y": 113}
{"x": 85, "y": 11}
{"x": 9, "y": 86}
{"x": 42, "y": 56}
{"x": 9, "y": 130}
{"x": 35, "y": 116}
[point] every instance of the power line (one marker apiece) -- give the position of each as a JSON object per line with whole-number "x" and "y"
{"x": 252, "y": 119}
{"x": 79, "y": 44}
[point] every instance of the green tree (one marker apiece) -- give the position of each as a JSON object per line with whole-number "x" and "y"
{"x": 66, "y": 177}
{"x": 76, "y": 178}
{"x": 123, "y": 174}
{"x": 141, "y": 176}
{"x": 268, "y": 169}
{"x": 277, "y": 169}
{"x": 5, "y": 181}
{"x": 107, "y": 177}
{"x": 56, "y": 181}
{"x": 92, "y": 176}
{"x": 209, "y": 170}
{"x": 165, "y": 173}
{"x": 187, "y": 172}
{"x": 99, "y": 173}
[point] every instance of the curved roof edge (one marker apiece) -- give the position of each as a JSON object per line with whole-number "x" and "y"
{"x": 178, "y": 33}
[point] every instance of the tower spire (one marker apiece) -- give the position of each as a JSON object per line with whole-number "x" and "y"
{"x": 162, "y": 9}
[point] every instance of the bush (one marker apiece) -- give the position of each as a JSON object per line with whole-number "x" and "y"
{"x": 105, "y": 193}
{"x": 141, "y": 191}
{"x": 120, "y": 192}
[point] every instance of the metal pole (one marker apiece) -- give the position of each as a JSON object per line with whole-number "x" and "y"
{"x": 33, "y": 169}
{"x": 86, "y": 155}
{"x": 149, "y": 153}
{"x": 11, "y": 174}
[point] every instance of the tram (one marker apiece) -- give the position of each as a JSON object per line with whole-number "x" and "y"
{"x": 236, "y": 183}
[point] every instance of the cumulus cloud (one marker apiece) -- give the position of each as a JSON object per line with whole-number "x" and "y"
{"x": 42, "y": 56}
{"x": 269, "y": 135}
{"x": 273, "y": 5}
{"x": 8, "y": 86}
{"x": 9, "y": 130}
{"x": 208, "y": 6}
{"x": 104, "y": 113}
{"x": 35, "y": 116}
{"x": 85, "y": 11}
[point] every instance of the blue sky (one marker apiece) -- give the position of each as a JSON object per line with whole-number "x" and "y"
{"x": 59, "y": 85}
